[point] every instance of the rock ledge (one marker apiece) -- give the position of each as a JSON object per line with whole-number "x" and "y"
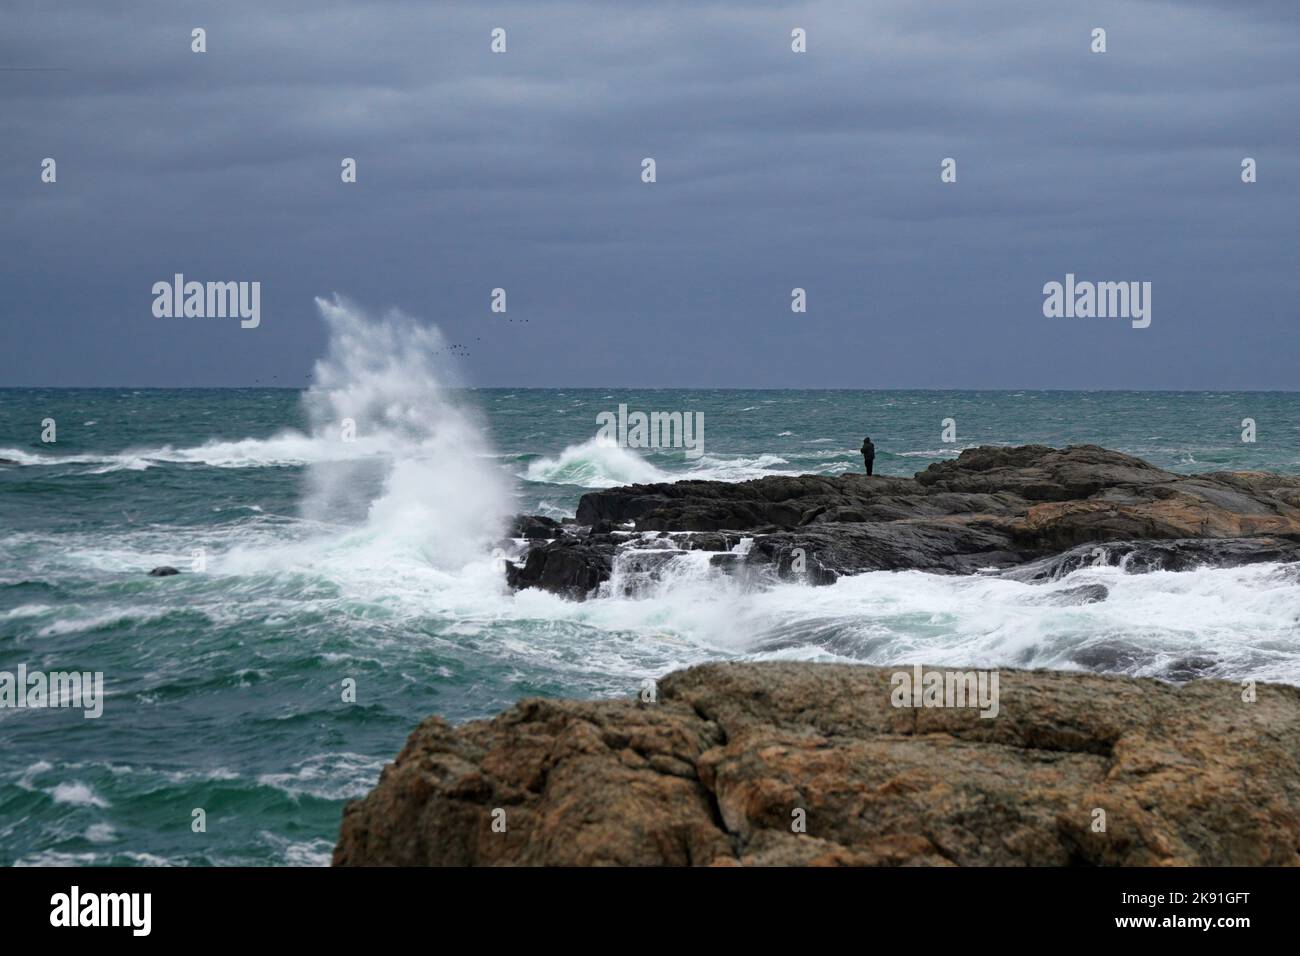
{"x": 717, "y": 768}
{"x": 991, "y": 509}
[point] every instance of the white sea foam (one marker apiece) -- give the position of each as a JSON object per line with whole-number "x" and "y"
{"x": 57, "y": 858}
{"x": 101, "y": 833}
{"x": 418, "y": 479}
{"x": 289, "y": 448}
{"x": 75, "y": 620}
{"x": 335, "y": 776}
{"x": 1241, "y": 622}
{"x": 28, "y": 610}
{"x": 738, "y": 468}
{"x": 596, "y": 463}
{"x": 77, "y": 794}
{"x": 397, "y": 511}
{"x": 601, "y": 463}
{"x": 301, "y": 852}
{"x": 441, "y": 495}
{"x": 950, "y": 451}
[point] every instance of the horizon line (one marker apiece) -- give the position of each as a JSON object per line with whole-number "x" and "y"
{"x": 664, "y": 388}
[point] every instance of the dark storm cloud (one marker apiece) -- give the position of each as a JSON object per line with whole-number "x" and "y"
{"x": 775, "y": 170}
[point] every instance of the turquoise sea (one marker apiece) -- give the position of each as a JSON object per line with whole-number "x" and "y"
{"x": 380, "y": 560}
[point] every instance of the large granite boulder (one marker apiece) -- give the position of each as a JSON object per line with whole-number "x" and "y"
{"x": 729, "y": 759}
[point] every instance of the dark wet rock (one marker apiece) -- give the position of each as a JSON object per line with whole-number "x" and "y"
{"x": 726, "y": 562}
{"x": 828, "y": 551}
{"x": 534, "y": 526}
{"x": 570, "y": 567}
{"x": 1190, "y": 668}
{"x": 164, "y": 571}
{"x": 1033, "y": 512}
{"x": 706, "y": 541}
{"x": 1112, "y": 655}
{"x": 714, "y": 771}
{"x": 1184, "y": 554}
{"x": 1042, "y": 474}
{"x": 778, "y": 501}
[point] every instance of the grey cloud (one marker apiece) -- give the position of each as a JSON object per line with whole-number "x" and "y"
{"x": 775, "y": 170}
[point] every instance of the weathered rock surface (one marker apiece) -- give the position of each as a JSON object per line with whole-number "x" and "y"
{"x": 569, "y": 567}
{"x": 715, "y": 772}
{"x": 535, "y": 526}
{"x": 991, "y": 508}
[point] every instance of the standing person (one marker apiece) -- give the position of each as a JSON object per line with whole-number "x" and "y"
{"x": 868, "y": 453}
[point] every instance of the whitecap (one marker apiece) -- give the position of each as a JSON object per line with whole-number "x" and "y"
{"x": 77, "y": 794}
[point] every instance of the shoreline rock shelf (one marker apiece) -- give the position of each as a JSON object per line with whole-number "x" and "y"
{"x": 716, "y": 769}
{"x": 1030, "y": 511}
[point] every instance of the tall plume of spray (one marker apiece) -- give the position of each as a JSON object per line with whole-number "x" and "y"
{"x": 419, "y": 470}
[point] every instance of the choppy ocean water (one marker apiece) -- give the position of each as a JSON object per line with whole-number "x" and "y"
{"x": 373, "y": 560}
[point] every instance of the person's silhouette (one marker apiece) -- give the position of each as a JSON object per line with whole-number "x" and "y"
{"x": 868, "y": 453}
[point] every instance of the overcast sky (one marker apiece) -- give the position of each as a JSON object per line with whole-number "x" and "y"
{"x": 775, "y": 170}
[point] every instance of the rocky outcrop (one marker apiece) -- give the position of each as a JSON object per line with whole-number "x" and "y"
{"x": 991, "y": 508}
{"x": 569, "y": 566}
{"x": 534, "y": 526}
{"x": 813, "y": 764}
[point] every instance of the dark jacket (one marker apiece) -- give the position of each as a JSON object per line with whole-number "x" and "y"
{"x": 868, "y": 450}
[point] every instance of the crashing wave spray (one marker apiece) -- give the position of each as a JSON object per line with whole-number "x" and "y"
{"x": 420, "y": 468}
{"x": 596, "y": 463}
